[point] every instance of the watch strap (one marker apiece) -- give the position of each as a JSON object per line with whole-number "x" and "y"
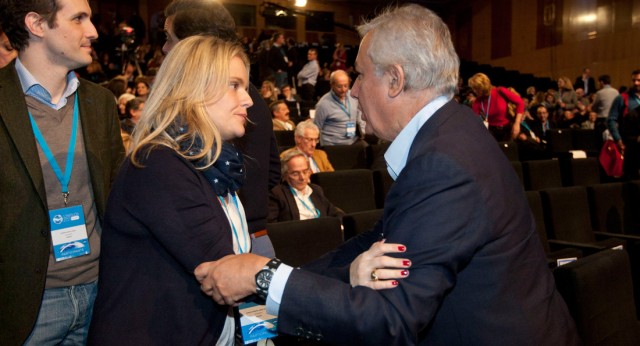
{"x": 271, "y": 266}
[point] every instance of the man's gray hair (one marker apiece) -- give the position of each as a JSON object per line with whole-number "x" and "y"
{"x": 303, "y": 125}
{"x": 288, "y": 156}
{"x": 418, "y": 40}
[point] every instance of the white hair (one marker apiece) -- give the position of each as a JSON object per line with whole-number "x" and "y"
{"x": 417, "y": 39}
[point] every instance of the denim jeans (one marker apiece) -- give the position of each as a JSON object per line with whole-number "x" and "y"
{"x": 64, "y": 316}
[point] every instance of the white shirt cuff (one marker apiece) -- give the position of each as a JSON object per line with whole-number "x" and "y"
{"x": 276, "y": 288}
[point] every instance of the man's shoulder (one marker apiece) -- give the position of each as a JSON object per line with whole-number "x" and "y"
{"x": 95, "y": 90}
{"x": 325, "y": 99}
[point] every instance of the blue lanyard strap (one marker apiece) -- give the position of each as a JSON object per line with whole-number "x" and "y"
{"x": 312, "y": 210}
{"x": 486, "y": 112}
{"x": 241, "y": 249}
{"x": 344, "y": 109}
{"x": 65, "y": 177}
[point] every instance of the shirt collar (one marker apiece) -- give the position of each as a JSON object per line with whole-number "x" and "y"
{"x": 33, "y": 88}
{"x": 398, "y": 152}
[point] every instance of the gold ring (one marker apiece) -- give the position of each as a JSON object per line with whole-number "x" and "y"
{"x": 374, "y": 276}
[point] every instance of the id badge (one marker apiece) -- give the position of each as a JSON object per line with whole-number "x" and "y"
{"x": 255, "y": 323}
{"x": 351, "y": 129}
{"x": 68, "y": 233}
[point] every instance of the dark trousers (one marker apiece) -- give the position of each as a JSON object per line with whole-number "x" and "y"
{"x": 501, "y": 133}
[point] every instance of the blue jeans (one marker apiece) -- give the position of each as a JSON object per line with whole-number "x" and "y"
{"x": 64, "y": 316}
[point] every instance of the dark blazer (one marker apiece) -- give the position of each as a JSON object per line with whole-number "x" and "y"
{"x": 283, "y": 207}
{"x": 261, "y": 160}
{"x": 162, "y": 221}
{"x": 24, "y": 222}
{"x": 478, "y": 276}
{"x": 579, "y": 83}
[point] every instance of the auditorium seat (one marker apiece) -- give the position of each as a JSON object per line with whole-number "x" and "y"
{"x": 350, "y": 190}
{"x": 553, "y": 250}
{"x": 598, "y": 291}
{"x": 301, "y": 241}
{"x": 285, "y": 139}
{"x": 346, "y": 156}
{"x": 360, "y": 222}
{"x": 567, "y": 218}
{"x": 582, "y": 172}
{"x": 510, "y": 149}
{"x": 559, "y": 142}
{"x": 541, "y": 174}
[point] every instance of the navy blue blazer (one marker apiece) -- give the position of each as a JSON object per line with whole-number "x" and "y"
{"x": 283, "y": 206}
{"x": 479, "y": 274}
{"x": 161, "y": 222}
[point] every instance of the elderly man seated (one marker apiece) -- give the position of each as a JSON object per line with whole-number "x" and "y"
{"x": 296, "y": 198}
{"x": 307, "y": 136}
{"x": 280, "y": 113}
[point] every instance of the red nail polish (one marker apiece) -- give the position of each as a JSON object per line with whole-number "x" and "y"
{"x": 395, "y": 283}
{"x": 406, "y": 263}
{"x": 404, "y": 273}
{"x": 402, "y": 248}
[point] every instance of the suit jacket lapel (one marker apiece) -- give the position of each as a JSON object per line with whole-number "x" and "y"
{"x": 291, "y": 201}
{"x": 430, "y": 127}
{"x": 14, "y": 115}
{"x": 92, "y": 140}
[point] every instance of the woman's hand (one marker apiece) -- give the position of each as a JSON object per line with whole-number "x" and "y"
{"x": 375, "y": 270}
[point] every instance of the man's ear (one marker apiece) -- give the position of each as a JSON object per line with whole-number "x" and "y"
{"x": 396, "y": 80}
{"x": 34, "y": 24}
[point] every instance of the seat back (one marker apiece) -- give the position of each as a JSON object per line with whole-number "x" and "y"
{"x": 599, "y": 294}
{"x": 587, "y": 140}
{"x": 566, "y": 213}
{"x": 584, "y": 171}
{"x": 346, "y": 156}
{"x": 535, "y": 203}
{"x": 542, "y": 174}
{"x": 301, "y": 241}
{"x": 360, "y": 222}
{"x": 559, "y": 141}
{"x": 350, "y": 190}
{"x": 285, "y": 139}
{"x": 510, "y": 149}
{"x": 607, "y": 206}
{"x": 382, "y": 182}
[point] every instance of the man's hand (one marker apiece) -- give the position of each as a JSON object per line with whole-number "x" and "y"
{"x": 231, "y": 278}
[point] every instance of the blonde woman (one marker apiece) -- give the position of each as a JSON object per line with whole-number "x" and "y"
{"x": 173, "y": 204}
{"x": 492, "y": 103}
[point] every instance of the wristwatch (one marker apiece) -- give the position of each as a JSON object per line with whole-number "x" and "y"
{"x": 263, "y": 277}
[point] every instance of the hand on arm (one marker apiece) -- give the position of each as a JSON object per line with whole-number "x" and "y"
{"x": 375, "y": 270}
{"x": 231, "y": 278}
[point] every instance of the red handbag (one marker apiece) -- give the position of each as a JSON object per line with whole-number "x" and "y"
{"x": 611, "y": 159}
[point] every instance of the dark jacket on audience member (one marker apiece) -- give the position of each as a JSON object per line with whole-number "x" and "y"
{"x": 283, "y": 207}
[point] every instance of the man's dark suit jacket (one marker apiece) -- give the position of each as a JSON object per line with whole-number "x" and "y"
{"x": 283, "y": 207}
{"x": 478, "y": 275}
{"x": 24, "y": 221}
{"x": 579, "y": 83}
{"x": 258, "y": 145}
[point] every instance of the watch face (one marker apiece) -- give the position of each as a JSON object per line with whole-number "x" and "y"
{"x": 264, "y": 278}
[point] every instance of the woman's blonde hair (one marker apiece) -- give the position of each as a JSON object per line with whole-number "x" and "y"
{"x": 567, "y": 83}
{"x": 481, "y": 82}
{"x": 195, "y": 73}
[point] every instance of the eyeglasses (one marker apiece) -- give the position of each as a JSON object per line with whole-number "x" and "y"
{"x": 298, "y": 174}
{"x": 309, "y": 140}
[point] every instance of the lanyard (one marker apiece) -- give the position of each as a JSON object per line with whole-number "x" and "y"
{"x": 344, "y": 109}
{"x": 241, "y": 249}
{"x": 314, "y": 211}
{"x": 65, "y": 177}
{"x": 486, "y": 112}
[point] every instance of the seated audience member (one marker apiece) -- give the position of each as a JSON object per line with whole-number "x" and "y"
{"x": 122, "y": 104}
{"x": 269, "y": 92}
{"x": 133, "y": 112}
{"x": 280, "y": 113}
{"x": 543, "y": 124}
{"x": 142, "y": 87}
{"x": 590, "y": 123}
{"x": 292, "y": 101}
{"x": 296, "y": 198}
{"x": 307, "y": 137}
